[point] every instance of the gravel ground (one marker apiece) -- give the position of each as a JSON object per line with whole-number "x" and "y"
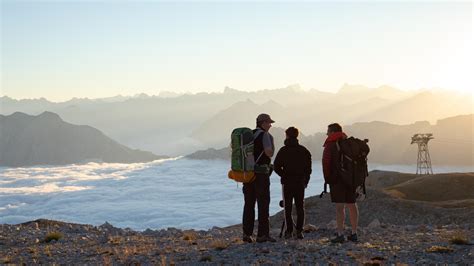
{"x": 379, "y": 243}
{"x": 393, "y": 231}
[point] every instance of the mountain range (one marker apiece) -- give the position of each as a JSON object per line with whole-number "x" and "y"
{"x": 453, "y": 142}
{"x": 177, "y": 124}
{"x": 46, "y": 139}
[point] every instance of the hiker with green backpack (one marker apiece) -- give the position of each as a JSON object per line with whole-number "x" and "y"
{"x": 252, "y": 151}
{"x": 344, "y": 169}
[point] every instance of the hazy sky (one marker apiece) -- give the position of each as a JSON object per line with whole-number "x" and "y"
{"x": 64, "y": 49}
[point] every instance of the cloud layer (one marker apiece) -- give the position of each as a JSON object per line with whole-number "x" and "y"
{"x": 168, "y": 193}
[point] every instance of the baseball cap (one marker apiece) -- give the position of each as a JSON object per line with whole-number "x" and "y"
{"x": 264, "y": 117}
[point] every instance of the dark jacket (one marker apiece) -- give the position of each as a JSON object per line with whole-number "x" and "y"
{"x": 293, "y": 163}
{"x": 331, "y": 158}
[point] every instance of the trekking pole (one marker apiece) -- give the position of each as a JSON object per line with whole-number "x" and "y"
{"x": 283, "y": 225}
{"x": 325, "y": 191}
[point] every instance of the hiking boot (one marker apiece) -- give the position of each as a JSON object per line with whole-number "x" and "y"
{"x": 261, "y": 239}
{"x": 247, "y": 238}
{"x": 353, "y": 238}
{"x": 299, "y": 234}
{"x": 338, "y": 239}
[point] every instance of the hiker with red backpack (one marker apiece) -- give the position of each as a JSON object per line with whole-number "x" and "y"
{"x": 293, "y": 164}
{"x": 344, "y": 169}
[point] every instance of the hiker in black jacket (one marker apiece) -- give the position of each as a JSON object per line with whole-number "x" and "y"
{"x": 293, "y": 165}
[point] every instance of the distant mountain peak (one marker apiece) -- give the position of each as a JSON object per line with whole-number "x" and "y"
{"x": 243, "y": 104}
{"x": 272, "y": 103}
{"x": 5, "y": 97}
{"x": 246, "y": 102}
{"x": 17, "y": 115}
{"x": 228, "y": 90}
{"x": 169, "y": 94}
{"x": 49, "y": 116}
{"x": 294, "y": 87}
{"x": 47, "y": 139}
{"x": 79, "y": 98}
{"x": 141, "y": 96}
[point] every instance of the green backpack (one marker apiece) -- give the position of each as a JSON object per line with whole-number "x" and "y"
{"x": 242, "y": 150}
{"x": 243, "y": 165}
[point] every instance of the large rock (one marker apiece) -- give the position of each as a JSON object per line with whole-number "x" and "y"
{"x": 375, "y": 224}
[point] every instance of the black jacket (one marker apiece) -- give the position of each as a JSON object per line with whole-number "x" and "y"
{"x": 293, "y": 163}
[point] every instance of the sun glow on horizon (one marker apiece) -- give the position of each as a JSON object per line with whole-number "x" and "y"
{"x": 60, "y": 51}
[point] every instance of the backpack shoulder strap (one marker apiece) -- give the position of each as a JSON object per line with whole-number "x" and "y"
{"x": 260, "y": 156}
{"x": 338, "y": 146}
{"x": 260, "y": 133}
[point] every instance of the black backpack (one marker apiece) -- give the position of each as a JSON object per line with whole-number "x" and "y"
{"x": 353, "y": 162}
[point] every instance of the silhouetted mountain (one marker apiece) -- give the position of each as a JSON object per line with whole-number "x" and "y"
{"x": 350, "y": 105}
{"x": 428, "y": 105}
{"x": 211, "y": 154}
{"x": 391, "y": 144}
{"x": 178, "y": 124}
{"x": 224, "y": 153}
{"x": 216, "y": 131}
{"x": 155, "y": 123}
{"x": 118, "y": 98}
{"x": 46, "y": 139}
{"x": 453, "y": 142}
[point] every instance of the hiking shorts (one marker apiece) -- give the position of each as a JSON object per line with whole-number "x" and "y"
{"x": 341, "y": 193}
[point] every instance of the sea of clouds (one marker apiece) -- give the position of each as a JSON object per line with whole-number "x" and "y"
{"x": 175, "y": 192}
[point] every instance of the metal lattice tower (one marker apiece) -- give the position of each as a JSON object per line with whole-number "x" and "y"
{"x": 423, "y": 165}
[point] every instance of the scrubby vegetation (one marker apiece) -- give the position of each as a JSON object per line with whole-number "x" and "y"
{"x": 53, "y": 236}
